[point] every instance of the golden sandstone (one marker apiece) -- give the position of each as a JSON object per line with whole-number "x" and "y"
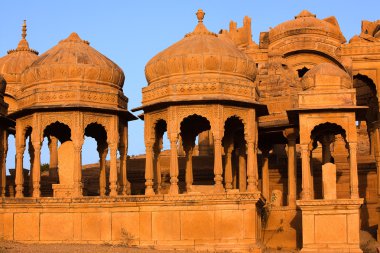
{"x": 273, "y": 144}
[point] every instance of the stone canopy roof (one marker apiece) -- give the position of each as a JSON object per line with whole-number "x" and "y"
{"x": 307, "y": 23}
{"x": 74, "y": 60}
{"x": 200, "y": 51}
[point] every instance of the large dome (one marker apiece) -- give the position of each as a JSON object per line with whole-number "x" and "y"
{"x": 72, "y": 72}
{"x": 73, "y": 59}
{"x": 200, "y": 59}
{"x": 13, "y": 64}
{"x": 307, "y": 23}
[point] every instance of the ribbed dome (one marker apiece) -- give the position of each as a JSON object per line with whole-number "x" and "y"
{"x": 200, "y": 52}
{"x": 73, "y": 61}
{"x": 326, "y": 76}
{"x": 15, "y": 62}
{"x": 306, "y": 23}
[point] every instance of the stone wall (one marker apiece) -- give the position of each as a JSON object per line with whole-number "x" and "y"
{"x": 200, "y": 222}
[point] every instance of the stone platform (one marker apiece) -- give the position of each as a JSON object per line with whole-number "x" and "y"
{"x": 330, "y": 225}
{"x": 199, "y": 222}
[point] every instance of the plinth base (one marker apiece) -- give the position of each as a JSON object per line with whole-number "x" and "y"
{"x": 330, "y": 225}
{"x": 63, "y": 191}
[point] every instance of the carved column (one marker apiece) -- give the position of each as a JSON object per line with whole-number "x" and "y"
{"x": 306, "y": 194}
{"x": 149, "y": 168}
{"x": 3, "y": 154}
{"x": 228, "y": 165}
{"x": 291, "y": 135}
{"x": 53, "y": 148}
{"x": 189, "y": 169}
{"x": 265, "y": 173}
{"x": 102, "y": 150}
{"x": 113, "y": 169}
{"x": 156, "y": 165}
{"x": 125, "y": 186}
{"x": 353, "y": 171}
{"x": 242, "y": 169}
{"x": 376, "y": 141}
{"x": 31, "y": 161}
{"x": 36, "y": 168}
{"x": 173, "y": 164}
{"x": 218, "y": 169}
{"x": 252, "y": 166}
{"x": 312, "y": 192}
{"x": 78, "y": 143}
{"x": 19, "y": 178}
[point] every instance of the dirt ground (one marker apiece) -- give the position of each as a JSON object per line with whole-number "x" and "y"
{"x": 14, "y": 247}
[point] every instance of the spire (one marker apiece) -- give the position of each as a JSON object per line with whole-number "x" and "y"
{"x": 23, "y": 35}
{"x": 305, "y": 14}
{"x": 200, "y": 15}
{"x": 23, "y": 45}
{"x": 200, "y": 28}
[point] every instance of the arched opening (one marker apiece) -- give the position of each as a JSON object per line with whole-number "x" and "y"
{"x": 94, "y": 179}
{"x": 325, "y": 136}
{"x": 10, "y": 166}
{"x": 366, "y": 95}
{"x": 190, "y": 128}
{"x": 54, "y": 135}
{"x": 235, "y": 166}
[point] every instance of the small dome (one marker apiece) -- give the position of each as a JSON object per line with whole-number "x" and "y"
{"x": 326, "y": 76}
{"x": 73, "y": 60}
{"x": 200, "y": 51}
{"x": 307, "y": 23}
{"x": 15, "y": 62}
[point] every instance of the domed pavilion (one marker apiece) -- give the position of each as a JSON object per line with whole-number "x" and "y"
{"x": 202, "y": 82}
{"x": 69, "y": 92}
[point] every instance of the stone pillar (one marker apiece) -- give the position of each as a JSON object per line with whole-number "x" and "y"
{"x": 265, "y": 174}
{"x": 31, "y": 161}
{"x": 376, "y": 141}
{"x": 149, "y": 168}
{"x": 203, "y": 143}
{"x": 173, "y": 164}
{"x": 3, "y": 161}
{"x": 36, "y": 168}
{"x": 19, "y": 178}
{"x": 326, "y": 141}
{"x": 77, "y": 191}
{"x": 353, "y": 171}
{"x": 157, "y": 166}
{"x": 218, "y": 165}
{"x": 252, "y": 166}
{"x": 311, "y": 174}
{"x": 102, "y": 150}
{"x": 53, "y": 148}
{"x": 189, "y": 169}
{"x": 306, "y": 192}
{"x": 242, "y": 169}
{"x": 228, "y": 165}
{"x": 291, "y": 135}
{"x": 113, "y": 169}
{"x": 124, "y": 184}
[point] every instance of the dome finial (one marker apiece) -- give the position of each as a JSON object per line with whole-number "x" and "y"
{"x": 200, "y": 15}
{"x": 24, "y": 29}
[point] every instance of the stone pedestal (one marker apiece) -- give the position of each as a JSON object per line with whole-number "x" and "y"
{"x": 330, "y": 225}
{"x": 62, "y": 191}
{"x": 66, "y": 164}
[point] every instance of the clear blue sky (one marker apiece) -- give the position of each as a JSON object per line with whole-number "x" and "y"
{"x": 131, "y": 32}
